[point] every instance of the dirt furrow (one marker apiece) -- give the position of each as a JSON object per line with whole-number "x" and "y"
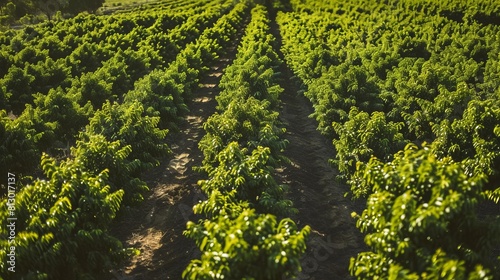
{"x": 314, "y": 189}
{"x": 155, "y": 227}
{"x": 317, "y": 195}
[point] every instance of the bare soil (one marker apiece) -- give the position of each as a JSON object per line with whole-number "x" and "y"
{"x": 314, "y": 188}
{"x": 316, "y": 193}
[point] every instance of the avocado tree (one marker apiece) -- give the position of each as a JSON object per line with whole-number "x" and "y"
{"x": 421, "y": 221}
{"x": 61, "y": 228}
{"x": 250, "y": 246}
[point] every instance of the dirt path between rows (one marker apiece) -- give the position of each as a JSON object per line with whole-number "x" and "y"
{"x": 156, "y": 226}
{"x": 317, "y": 195}
{"x": 314, "y": 189}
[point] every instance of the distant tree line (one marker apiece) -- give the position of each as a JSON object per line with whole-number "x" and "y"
{"x": 19, "y": 8}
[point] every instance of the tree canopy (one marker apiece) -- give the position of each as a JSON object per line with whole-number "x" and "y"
{"x": 20, "y": 8}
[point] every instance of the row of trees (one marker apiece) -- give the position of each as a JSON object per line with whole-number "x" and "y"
{"x": 15, "y": 9}
{"x": 63, "y": 219}
{"x": 51, "y": 101}
{"x": 96, "y": 56}
{"x": 240, "y": 236}
{"x": 385, "y": 76}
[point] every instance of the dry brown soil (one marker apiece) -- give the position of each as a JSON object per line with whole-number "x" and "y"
{"x": 316, "y": 193}
{"x": 156, "y": 226}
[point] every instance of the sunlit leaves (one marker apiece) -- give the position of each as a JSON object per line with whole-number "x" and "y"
{"x": 241, "y": 146}
{"x": 249, "y": 246}
{"x": 413, "y": 73}
{"x": 363, "y": 136}
{"x": 250, "y": 177}
{"x": 421, "y": 219}
{"x": 126, "y": 123}
{"x": 70, "y": 212}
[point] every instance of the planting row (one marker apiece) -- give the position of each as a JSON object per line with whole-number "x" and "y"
{"x": 240, "y": 236}
{"x": 98, "y": 58}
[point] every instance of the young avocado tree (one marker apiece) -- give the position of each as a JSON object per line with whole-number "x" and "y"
{"x": 62, "y": 225}
{"x": 421, "y": 221}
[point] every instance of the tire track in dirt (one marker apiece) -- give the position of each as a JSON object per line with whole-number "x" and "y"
{"x": 155, "y": 227}
{"x": 314, "y": 189}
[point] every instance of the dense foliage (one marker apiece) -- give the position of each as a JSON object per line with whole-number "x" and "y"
{"x": 383, "y": 74}
{"x": 407, "y": 91}
{"x": 61, "y": 225}
{"x": 54, "y": 83}
{"x": 97, "y": 104}
{"x": 422, "y": 221}
{"x": 15, "y": 9}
